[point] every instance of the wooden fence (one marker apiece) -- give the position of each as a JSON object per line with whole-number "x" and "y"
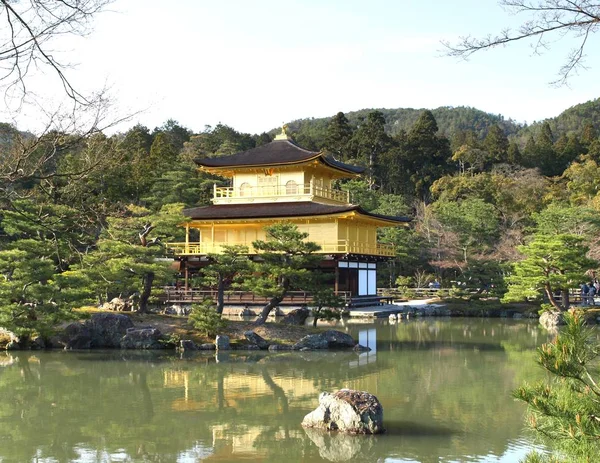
{"x": 175, "y": 295}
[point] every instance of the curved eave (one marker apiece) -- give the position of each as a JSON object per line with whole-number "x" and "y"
{"x": 378, "y": 220}
{"x": 384, "y": 220}
{"x": 228, "y": 170}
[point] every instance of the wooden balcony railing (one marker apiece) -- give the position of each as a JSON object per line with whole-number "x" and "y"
{"x": 327, "y": 247}
{"x": 296, "y": 190}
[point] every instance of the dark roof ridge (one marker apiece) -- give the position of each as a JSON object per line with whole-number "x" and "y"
{"x": 278, "y": 210}
{"x": 276, "y": 153}
{"x": 295, "y": 145}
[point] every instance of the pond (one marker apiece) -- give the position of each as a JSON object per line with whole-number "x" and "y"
{"x": 445, "y": 386}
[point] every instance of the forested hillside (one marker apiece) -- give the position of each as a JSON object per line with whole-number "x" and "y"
{"x": 84, "y": 218}
{"x": 450, "y": 120}
{"x": 311, "y": 132}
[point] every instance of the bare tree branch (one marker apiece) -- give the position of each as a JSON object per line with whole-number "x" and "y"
{"x": 26, "y": 38}
{"x": 575, "y": 18}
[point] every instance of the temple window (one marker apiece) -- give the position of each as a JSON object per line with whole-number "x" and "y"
{"x": 245, "y": 189}
{"x": 291, "y": 188}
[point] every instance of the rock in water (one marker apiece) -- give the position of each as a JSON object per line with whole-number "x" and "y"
{"x": 222, "y": 342}
{"x": 335, "y": 446}
{"x": 77, "y": 336}
{"x": 338, "y": 339}
{"x": 326, "y": 340}
{"x": 349, "y": 411}
{"x": 311, "y": 342}
{"x": 550, "y": 320}
{"x": 296, "y": 317}
{"x": 187, "y": 345}
{"x": 254, "y": 338}
{"x": 108, "y": 329}
{"x": 145, "y": 338}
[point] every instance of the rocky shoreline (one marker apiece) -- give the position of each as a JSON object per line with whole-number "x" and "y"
{"x": 114, "y": 330}
{"x": 109, "y": 330}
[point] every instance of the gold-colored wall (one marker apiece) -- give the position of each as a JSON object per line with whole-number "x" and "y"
{"x": 333, "y": 235}
{"x": 319, "y": 230}
{"x": 319, "y": 176}
{"x": 356, "y": 231}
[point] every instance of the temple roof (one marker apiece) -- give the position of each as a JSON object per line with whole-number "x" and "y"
{"x": 277, "y": 152}
{"x": 279, "y": 210}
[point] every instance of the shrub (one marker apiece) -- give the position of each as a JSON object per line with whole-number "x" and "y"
{"x": 205, "y": 319}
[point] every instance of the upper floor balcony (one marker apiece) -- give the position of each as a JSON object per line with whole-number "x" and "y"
{"x": 291, "y": 191}
{"x": 327, "y": 247}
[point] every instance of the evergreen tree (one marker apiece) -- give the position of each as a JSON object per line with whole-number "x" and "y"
{"x": 224, "y": 268}
{"x": 496, "y": 144}
{"x": 180, "y": 184}
{"x": 162, "y": 154}
{"x": 370, "y": 141}
{"x": 545, "y": 155}
{"x": 37, "y": 288}
{"x": 565, "y": 412}
{"x": 514, "y": 154}
{"x": 262, "y": 139}
{"x": 286, "y": 260}
{"x": 588, "y": 134}
{"x": 127, "y": 260}
{"x": 530, "y": 153}
{"x": 339, "y": 134}
{"x": 177, "y": 134}
{"x": 428, "y": 155}
{"x": 552, "y": 263}
{"x": 326, "y": 305}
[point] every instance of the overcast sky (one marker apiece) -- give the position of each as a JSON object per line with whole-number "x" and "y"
{"x": 255, "y": 64}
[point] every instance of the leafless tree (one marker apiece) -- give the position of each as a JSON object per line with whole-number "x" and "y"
{"x": 28, "y": 29}
{"x": 25, "y": 157}
{"x": 577, "y": 19}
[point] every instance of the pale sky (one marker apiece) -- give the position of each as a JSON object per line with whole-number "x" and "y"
{"x": 255, "y": 64}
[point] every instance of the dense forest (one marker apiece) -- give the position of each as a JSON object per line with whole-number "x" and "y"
{"x": 83, "y": 217}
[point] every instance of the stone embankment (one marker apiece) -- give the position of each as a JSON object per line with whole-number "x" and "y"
{"x": 330, "y": 339}
{"x": 109, "y": 330}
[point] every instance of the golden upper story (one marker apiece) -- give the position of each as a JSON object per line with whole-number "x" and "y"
{"x": 279, "y": 171}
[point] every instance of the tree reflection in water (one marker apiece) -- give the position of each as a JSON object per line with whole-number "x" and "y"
{"x": 445, "y": 387}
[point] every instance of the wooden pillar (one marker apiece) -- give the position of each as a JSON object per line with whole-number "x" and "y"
{"x": 187, "y": 276}
{"x": 337, "y": 278}
{"x": 187, "y": 238}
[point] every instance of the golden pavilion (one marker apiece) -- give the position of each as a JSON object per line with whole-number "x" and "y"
{"x": 277, "y": 182}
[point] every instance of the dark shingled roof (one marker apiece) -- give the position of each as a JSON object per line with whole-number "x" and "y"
{"x": 276, "y": 152}
{"x": 277, "y": 210}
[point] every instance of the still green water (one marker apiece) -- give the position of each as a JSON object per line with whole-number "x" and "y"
{"x": 444, "y": 384}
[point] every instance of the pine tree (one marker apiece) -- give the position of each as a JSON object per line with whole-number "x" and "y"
{"x": 428, "y": 155}
{"x": 565, "y": 412}
{"x": 285, "y": 262}
{"x": 514, "y": 154}
{"x": 552, "y": 263}
{"x": 588, "y": 134}
{"x": 370, "y": 141}
{"x": 127, "y": 260}
{"x": 37, "y": 287}
{"x": 496, "y": 144}
{"x": 225, "y": 268}
{"x": 339, "y": 134}
{"x": 530, "y": 153}
{"x": 546, "y": 157}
